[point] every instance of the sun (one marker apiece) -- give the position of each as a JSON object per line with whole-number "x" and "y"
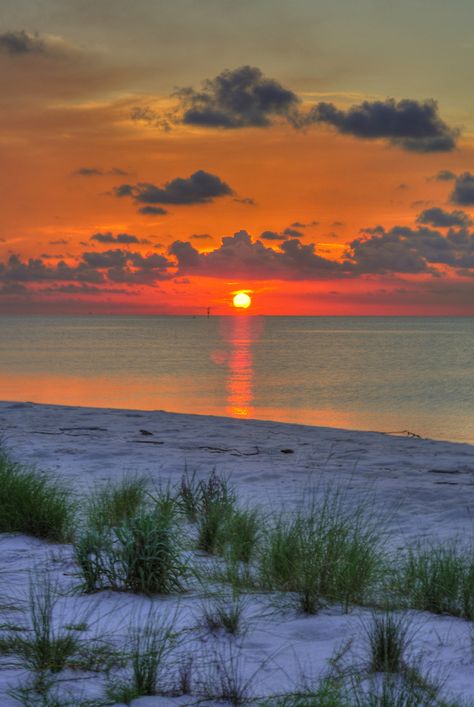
{"x": 241, "y": 300}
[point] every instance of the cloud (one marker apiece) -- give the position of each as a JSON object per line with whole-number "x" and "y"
{"x": 244, "y": 97}
{"x": 463, "y": 192}
{"x": 61, "y": 241}
{"x": 444, "y": 175}
{"x": 409, "y": 124}
{"x": 21, "y": 42}
{"x": 292, "y": 233}
{"x": 37, "y": 68}
{"x": 201, "y": 236}
{"x": 237, "y": 98}
{"x": 152, "y": 211}
{"x": 96, "y": 172}
{"x": 200, "y": 188}
{"x": 110, "y": 238}
{"x": 444, "y": 219}
{"x": 239, "y": 256}
{"x": 406, "y": 250}
{"x": 281, "y": 235}
{"x": 301, "y": 224}
{"x": 97, "y": 268}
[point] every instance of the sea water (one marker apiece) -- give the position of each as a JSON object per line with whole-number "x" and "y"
{"x": 389, "y": 374}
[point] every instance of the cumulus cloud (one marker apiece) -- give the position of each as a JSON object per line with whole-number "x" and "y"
{"x": 463, "y": 192}
{"x": 244, "y": 97}
{"x": 97, "y": 268}
{"x": 444, "y": 219}
{"x": 239, "y": 256}
{"x": 200, "y": 188}
{"x": 405, "y": 250}
{"x": 412, "y": 125}
{"x": 237, "y": 98}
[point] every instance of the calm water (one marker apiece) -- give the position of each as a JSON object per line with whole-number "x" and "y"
{"x": 386, "y": 374}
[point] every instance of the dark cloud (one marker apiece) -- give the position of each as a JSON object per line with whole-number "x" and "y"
{"x": 110, "y": 238}
{"x": 92, "y": 267}
{"x": 86, "y": 290}
{"x": 272, "y": 236}
{"x": 152, "y": 211}
{"x": 21, "y": 42}
{"x": 406, "y": 250}
{"x": 201, "y": 236}
{"x": 292, "y": 233}
{"x": 463, "y": 192}
{"x": 281, "y": 235}
{"x": 200, "y": 188}
{"x": 236, "y": 98}
{"x": 409, "y": 124}
{"x": 124, "y": 190}
{"x": 96, "y": 172}
{"x": 301, "y": 224}
{"x": 88, "y": 172}
{"x": 239, "y": 256}
{"x": 444, "y": 175}
{"x": 444, "y": 219}
{"x": 61, "y": 241}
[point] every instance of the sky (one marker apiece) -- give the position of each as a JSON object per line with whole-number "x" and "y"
{"x": 159, "y": 157}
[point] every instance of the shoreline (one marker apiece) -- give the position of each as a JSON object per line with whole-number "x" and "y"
{"x": 273, "y": 463}
{"x": 402, "y": 434}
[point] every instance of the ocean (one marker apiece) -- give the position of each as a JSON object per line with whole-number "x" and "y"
{"x": 387, "y": 374}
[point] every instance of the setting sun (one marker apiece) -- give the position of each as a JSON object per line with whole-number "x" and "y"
{"x": 242, "y": 300}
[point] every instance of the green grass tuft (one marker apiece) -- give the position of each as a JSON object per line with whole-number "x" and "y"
{"x": 325, "y": 552}
{"x": 33, "y": 503}
{"x": 141, "y": 555}
{"x": 113, "y": 504}
{"x": 439, "y": 579}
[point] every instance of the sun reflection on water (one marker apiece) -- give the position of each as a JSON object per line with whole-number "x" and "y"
{"x": 241, "y": 333}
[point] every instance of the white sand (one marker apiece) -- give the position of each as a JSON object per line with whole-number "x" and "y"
{"x": 420, "y": 487}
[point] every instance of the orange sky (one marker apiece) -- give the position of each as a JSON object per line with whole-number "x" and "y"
{"x": 68, "y": 106}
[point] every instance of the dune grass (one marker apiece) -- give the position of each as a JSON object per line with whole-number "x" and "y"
{"x": 33, "y": 503}
{"x": 326, "y": 552}
{"x": 115, "y": 503}
{"x": 438, "y": 578}
{"x": 45, "y": 645}
{"x": 149, "y": 650}
{"x": 141, "y": 554}
{"x": 224, "y": 613}
{"x": 388, "y": 636}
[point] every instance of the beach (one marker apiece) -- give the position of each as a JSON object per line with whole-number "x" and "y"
{"x": 418, "y": 489}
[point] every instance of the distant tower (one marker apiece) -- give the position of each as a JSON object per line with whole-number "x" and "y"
{"x": 208, "y": 312}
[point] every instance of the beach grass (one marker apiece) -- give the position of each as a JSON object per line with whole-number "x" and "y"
{"x": 149, "y": 649}
{"x": 388, "y": 637}
{"x": 438, "y": 578}
{"x": 114, "y": 503}
{"x": 326, "y": 552}
{"x": 141, "y": 554}
{"x": 33, "y": 503}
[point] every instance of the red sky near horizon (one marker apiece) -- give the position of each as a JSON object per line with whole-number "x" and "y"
{"x": 326, "y": 167}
